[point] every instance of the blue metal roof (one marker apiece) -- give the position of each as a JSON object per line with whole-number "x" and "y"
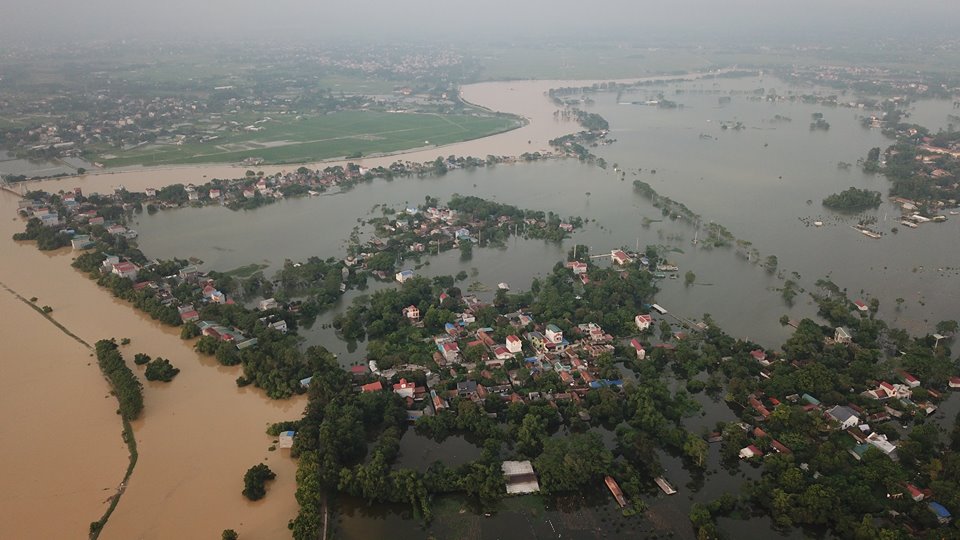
{"x": 939, "y": 510}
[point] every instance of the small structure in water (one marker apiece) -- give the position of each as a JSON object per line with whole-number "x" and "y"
{"x": 286, "y": 439}
{"x": 519, "y": 477}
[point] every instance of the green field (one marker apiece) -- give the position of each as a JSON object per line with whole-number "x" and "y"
{"x": 287, "y": 140}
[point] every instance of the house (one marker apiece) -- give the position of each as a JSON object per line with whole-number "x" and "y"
{"x": 861, "y": 306}
{"x": 908, "y": 379}
{"x": 411, "y": 312}
{"x": 842, "y": 335}
{"x": 96, "y": 220}
{"x": 760, "y": 356}
{"x": 955, "y": 382}
{"x": 618, "y": 256}
{"x": 286, "y": 439}
{"x": 404, "y": 389}
{"x": 359, "y": 371}
{"x": 638, "y": 347}
{"x": 845, "y": 416}
{"x": 188, "y": 272}
{"x": 150, "y": 192}
{"x": 279, "y": 326}
{"x": 438, "y": 402}
{"x": 759, "y": 407}
{"x": 269, "y": 303}
{"x": 514, "y": 345}
{"x": 467, "y": 388}
{"x": 81, "y": 241}
{"x": 404, "y": 275}
{"x": 462, "y": 233}
{"x": 125, "y": 269}
{"x": 519, "y": 477}
{"x": 450, "y": 351}
{"x": 215, "y": 193}
{"x": 502, "y": 353}
{"x": 780, "y": 447}
{"x": 749, "y": 452}
{"x": 578, "y": 267}
{"x": 372, "y": 387}
{"x": 554, "y": 334}
{"x": 943, "y": 515}
{"x": 643, "y": 322}
{"x": 914, "y": 492}
{"x": 881, "y": 443}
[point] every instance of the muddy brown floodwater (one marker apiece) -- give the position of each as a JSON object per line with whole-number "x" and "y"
{"x": 62, "y": 444}
{"x": 63, "y": 455}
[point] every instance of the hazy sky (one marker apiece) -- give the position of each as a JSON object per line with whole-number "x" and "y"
{"x": 684, "y": 19}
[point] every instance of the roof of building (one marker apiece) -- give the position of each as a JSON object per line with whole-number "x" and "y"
{"x": 841, "y": 413}
{"x": 939, "y": 510}
{"x": 372, "y": 387}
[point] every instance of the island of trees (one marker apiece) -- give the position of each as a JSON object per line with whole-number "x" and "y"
{"x": 853, "y": 200}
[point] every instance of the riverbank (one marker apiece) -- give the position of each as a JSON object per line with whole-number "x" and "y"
{"x": 525, "y": 99}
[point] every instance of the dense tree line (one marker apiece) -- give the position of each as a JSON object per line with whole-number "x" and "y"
{"x": 125, "y": 384}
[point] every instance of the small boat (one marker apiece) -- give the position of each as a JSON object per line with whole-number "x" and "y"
{"x": 910, "y": 224}
{"x": 818, "y": 223}
{"x": 664, "y": 485}
{"x": 503, "y": 286}
{"x": 954, "y": 212}
{"x": 615, "y": 490}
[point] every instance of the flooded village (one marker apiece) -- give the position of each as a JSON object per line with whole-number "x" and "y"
{"x": 421, "y": 344}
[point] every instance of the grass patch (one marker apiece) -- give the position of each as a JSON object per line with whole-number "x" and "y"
{"x": 244, "y": 272}
{"x": 288, "y": 140}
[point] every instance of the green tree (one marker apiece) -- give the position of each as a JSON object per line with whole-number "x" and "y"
{"x": 254, "y": 481}
{"x": 568, "y": 463}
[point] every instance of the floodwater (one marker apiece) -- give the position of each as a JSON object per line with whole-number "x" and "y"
{"x": 196, "y": 438}
{"x": 199, "y": 433}
{"x": 63, "y": 455}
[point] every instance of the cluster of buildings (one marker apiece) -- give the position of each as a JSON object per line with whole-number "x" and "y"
{"x": 499, "y": 367}
{"x": 431, "y": 228}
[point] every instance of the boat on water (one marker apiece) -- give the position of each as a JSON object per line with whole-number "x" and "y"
{"x": 866, "y": 232}
{"x": 910, "y": 224}
{"x": 664, "y": 485}
{"x": 503, "y": 286}
{"x": 615, "y": 490}
{"x": 954, "y": 212}
{"x": 818, "y": 224}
